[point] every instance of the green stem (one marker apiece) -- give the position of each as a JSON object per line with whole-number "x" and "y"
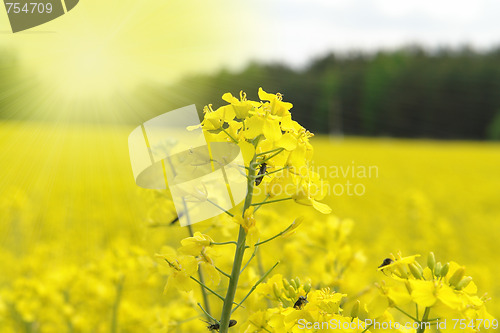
{"x": 261, "y": 327}
{"x": 273, "y": 155}
{"x": 274, "y": 171}
{"x": 26, "y": 325}
{"x": 67, "y": 300}
{"x": 207, "y": 314}
{"x": 261, "y": 270}
{"x": 255, "y": 286}
{"x": 424, "y": 320}
{"x": 216, "y": 205}
{"x": 275, "y": 236}
{"x": 200, "y": 274}
{"x": 270, "y": 151}
{"x": 269, "y": 202}
{"x": 116, "y": 305}
{"x": 238, "y": 256}
{"x": 229, "y": 135}
{"x": 366, "y": 329}
{"x": 258, "y": 207}
{"x": 224, "y": 243}
{"x": 259, "y": 263}
{"x": 406, "y": 313}
{"x": 250, "y": 259}
{"x": 222, "y": 272}
{"x": 204, "y": 286}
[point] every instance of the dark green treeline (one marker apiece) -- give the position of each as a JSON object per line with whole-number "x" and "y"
{"x": 411, "y": 92}
{"x": 445, "y": 94}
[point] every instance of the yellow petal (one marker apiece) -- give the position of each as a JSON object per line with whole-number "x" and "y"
{"x": 287, "y": 141}
{"x": 471, "y": 288}
{"x": 399, "y": 295}
{"x": 228, "y": 97}
{"x": 265, "y": 96}
{"x": 194, "y": 127}
{"x": 227, "y": 113}
{"x": 287, "y": 124}
{"x": 167, "y": 253}
{"x": 189, "y": 265}
{"x": 239, "y": 220}
{"x": 181, "y": 282}
{"x": 377, "y": 306}
{"x": 212, "y": 276}
{"x": 265, "y": 145}
{"x": 271, "y": 129}
{"x": 168, "y": 286}
{"x": 190, "y": 248}
{"x": 427, "y": 273}
{"x": 247, "y": 150}
{"x": 254, "y": 127}
{"x": 423, "y": 293}
{"x": 253, "y": 235}
{"x": 297, "y": 157}
{"x": 449, "y": 298}
{"x": 321, "y": 207}
{"x": 212, "y": 121}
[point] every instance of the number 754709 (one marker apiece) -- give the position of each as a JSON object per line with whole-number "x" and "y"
{"x": 475, "y": 324}
{"x": 31, "y": 8}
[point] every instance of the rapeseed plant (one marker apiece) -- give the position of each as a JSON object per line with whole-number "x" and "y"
{"x": 271, "y": 141}
{"x": 277, "y": 153}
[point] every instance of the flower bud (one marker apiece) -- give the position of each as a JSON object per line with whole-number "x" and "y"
{"x": 355, "y": 309}
{"x": 457, "y": 276}
{"x": 290, "y": 291}
{"x": 297, "y": 281}
{"x": 391, "y": 302}
{"x": 291, "y": 229}
{"x": 420, "y": 268}
{"x": 445, "y": 269}
{"x": 408, "y": 286}
{"x": 464, "y": 282}
{"x": 437, "y": 269}
{"x": 431, "y": 261}
{"x": 307, "y": 286}
{"x": 293, "y": 283}
{"x": 415, "y": 271}
{"x": 276, "y": 289}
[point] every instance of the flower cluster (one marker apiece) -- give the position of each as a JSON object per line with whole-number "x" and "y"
{"x": 436, "y": 292}
{"x": 94, "y": 297}
{"x": 292, "y": 303}
{"x": 267, "y": 135}
{"x": 103, "y": 276}
{"x": 195, "y": 253}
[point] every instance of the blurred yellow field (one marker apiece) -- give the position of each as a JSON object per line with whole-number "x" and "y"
{"x": 252, "y": 167}
{"x": 78, "y": 238}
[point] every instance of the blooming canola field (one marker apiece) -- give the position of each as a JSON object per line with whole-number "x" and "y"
{"x": 411, "y": 237}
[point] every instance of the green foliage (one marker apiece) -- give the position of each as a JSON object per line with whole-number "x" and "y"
{"x": 411, "y": 92}
{"x": 494, "y": 128}
{"x": 406, "y": 93}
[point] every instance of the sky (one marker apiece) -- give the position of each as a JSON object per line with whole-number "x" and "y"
{"x": 100, "y": 45}
{"x": 104, "y": 47}
{"x": 306, "y": 28}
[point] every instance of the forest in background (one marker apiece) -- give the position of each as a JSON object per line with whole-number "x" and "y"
{"x": 411, "y": 92}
